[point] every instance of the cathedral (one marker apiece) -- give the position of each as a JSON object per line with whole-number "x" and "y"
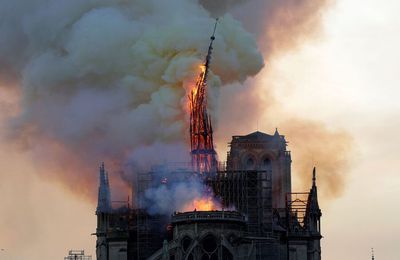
{"x": 261, "y": 218}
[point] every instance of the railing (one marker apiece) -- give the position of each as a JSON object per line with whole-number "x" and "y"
{"x": 208, "y": 215}
{"x": 77, "y": 255}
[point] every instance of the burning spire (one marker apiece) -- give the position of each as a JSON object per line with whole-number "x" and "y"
{"x": 104, "y": 198}
{"x": 201, "y": 133}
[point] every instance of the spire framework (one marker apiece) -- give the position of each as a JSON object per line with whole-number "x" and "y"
{"x": 201, "y": 133}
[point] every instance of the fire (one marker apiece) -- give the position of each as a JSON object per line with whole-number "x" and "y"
{"x": 201, "y": 132}
{"x": 202, "y": 204}
{"x": 199, "y": 82}
{"x": 203, "y": 71}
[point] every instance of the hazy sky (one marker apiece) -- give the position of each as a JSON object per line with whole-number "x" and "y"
{"x": 347, "y": 78}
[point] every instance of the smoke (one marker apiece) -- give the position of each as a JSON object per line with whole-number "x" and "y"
{"x": 108, "y": 80}
{"x": 313, "y": 144}
{"x": 180, "y": 196}
{"x": 101, "y": 80}
{"x": 281, "y": 26}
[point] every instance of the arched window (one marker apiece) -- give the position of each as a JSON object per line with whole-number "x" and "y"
{"x": 186, "y": 242}
{"x": 249, "y": 163}
{"x": 266, "y": 164}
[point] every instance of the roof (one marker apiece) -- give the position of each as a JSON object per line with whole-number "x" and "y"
{"x": 257, "y": 136}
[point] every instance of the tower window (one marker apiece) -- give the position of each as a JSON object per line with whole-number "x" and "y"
{"x": 186, "y": 241}
{"x": 266, "y": 164}
{"x": 250, "y": 164}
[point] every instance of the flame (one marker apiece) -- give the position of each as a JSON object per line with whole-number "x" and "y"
{"x": 202, "y": 204}
{"x": 200, "y": 80}
{"x": 202, "y": 68}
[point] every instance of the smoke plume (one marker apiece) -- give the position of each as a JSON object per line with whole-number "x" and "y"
{"x": 312, "y": 144}
{"x": 108, "y": 79}
{"x": 100, "y": 80}
{"x": 282, "y": 26}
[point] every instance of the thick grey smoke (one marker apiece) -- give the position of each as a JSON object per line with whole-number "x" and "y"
{"x": 279, "y": 25}
{"x": 104, "y": 79}
{"x": 179, "y": 196}
{"x": 173, "y": 187}
{"x": 101, "y": 79}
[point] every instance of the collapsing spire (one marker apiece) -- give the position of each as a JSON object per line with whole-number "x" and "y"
{"x": 201, "y": 132}
{"x": 104, "y": 198}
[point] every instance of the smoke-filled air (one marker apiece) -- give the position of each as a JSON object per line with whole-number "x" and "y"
{"x": 101, "y": 80}
{"x": 108, "y": 80}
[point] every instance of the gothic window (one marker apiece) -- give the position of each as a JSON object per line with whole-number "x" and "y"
{"x": 186, "y": 241}
{"x": 266, "y": 164}
{"x": 250, "y": 163}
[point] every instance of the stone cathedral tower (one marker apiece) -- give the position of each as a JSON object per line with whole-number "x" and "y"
{"x": 259, "y": 151}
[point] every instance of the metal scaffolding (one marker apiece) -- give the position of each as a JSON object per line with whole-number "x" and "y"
{"x": 249, "y": 192}
{"x": 77, "y": 255}
{"x": 296, "y": 207}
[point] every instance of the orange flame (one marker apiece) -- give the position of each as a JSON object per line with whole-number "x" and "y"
{"x": 202, "y": 204}
{"x": 200, "y": 79}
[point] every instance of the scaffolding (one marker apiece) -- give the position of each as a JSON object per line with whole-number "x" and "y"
{"x": 296, "y": 208}
{"x": 249, "y": 192}
{"x": 77, "y": 255}
{"x": 149, "y": 230}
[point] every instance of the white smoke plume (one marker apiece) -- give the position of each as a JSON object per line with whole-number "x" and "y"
{"x": 100, "y": 79}
{"x": 179, "y": 196}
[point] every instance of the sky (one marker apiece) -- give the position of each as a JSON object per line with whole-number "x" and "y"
{"x": 346, "y": 77}
{"x": 349, "y": 78}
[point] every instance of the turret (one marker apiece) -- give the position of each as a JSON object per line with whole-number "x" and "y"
{"x": 313, "y": 222}
{"x": 102, "y": 212}
{"x": 276, "y": 134}
{"x": 313, "y": 213}
{"x": 104, "y": 198}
